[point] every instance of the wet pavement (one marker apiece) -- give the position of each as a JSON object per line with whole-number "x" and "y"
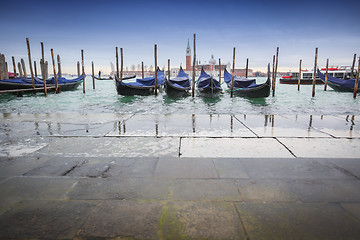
{"x": 120, "y": 176}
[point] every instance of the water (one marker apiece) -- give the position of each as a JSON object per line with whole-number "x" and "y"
{"x": 104, "y": 99}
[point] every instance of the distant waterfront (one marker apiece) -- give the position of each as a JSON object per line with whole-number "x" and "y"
{"x": 104, "y": 99}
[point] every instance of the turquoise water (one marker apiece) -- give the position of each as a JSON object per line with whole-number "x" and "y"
{"x": 104, "y": 99}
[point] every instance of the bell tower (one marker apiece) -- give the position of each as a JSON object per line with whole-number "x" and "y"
{"x": 188, "y": 57}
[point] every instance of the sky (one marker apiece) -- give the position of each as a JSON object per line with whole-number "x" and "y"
{"x": 254, "y": 28}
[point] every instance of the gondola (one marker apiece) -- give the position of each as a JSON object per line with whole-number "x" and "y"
{"x": 178, "y": 86}
{"x": 144, "y": 86}
{"x": 245, "y": 87}
{"x": 111, "y": 78}
{"x": 26, "y": 83}
{"x": 338, "y": 84}
{"x": 206, "y": 84}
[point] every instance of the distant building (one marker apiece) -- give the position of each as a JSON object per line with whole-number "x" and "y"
{"x": 188, "y": 57}
{"x": 211, "y": 67}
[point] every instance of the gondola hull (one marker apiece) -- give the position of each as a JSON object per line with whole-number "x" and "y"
{"x": 338, "y": 84}
{"x": 261, "y": 91}
{"x": 127, "y": 90}
{"x": 172, "y": 90}
{"x": 340, "y": 88}
{"x": 8, "y": 85}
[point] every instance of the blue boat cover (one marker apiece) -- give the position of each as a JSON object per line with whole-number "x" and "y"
{"x": 342, "y": 83}
{"x": 146, "y": 82}
{"x": 239, "y": 82}
{"x": 181, "y": 80}
{"x": 39, "y": 81}
{"x": 204, "y": 81}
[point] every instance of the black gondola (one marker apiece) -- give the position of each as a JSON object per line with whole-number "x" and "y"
{"x": 178, "y": 86}
{"x": 208, "y": 85}
{"x": 26, "y": 83}
{"x": 145, "y": 86}
{"x": 245, "y": 87}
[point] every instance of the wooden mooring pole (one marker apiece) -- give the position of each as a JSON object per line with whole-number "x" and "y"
{"x": 326, "y": 74}
{"x": 35, "y": 69}
{"x": 83, "y": 69}
{"x": 353, "y": 66}
{"x": 121, "y": 64}
{"x": 30, "y": 63}
{"x": 219, "y": 71}
{"x": 314, "y": 76}
{"x": 233, "y": 75}
{"x": 299, "y": 75}
{"x": 23, "y": 67}
{"x": 43, "y": 70}
{"x": 78, "y": 68}
{"x": 357, "y": 80}
{"x": 55, "y": 75}
{"x": 193, "y": 68}
{"x": 155, "y": 53}
{"x": 275, "y": 73}
{"x": 59, "y": 66}
{"x": 117, "y": 62}
{"x": 142, "y": 70}
{"x": 2, "y": 67}
{"x": 14, "y": 66}
{"x": 273, "y": 76}
{"x": 92, "y": 71}
{"x": 247, "y": 68}
{"x": 20, "y": 70}
{"x": 168, "y": 69}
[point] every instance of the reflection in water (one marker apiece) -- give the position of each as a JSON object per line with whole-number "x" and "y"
{"x": 174, "y": 99}
{"x": 37, "y": 128}
{"x": 257, "y": 101}
{"x": 269, "y": 119}
{"x": 156, "y": 129}
{"x": 127, "y": 99}
{"x": 193, "y": 122}
{"x": 211, "y": 99}
{"x": 231, "y": 123}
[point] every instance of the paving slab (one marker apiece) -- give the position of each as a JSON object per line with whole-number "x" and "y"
{"x": 127, "y": 219}
{"x": 337, "y": 126}
{"x": 139, "y": 167}
{"x": 233, "y": 148}
{"x": 298, "y": 221}
{"x": 261, "y": 190}
{"x": 200, "y": 220}
{"x": 17, "y": 166}
{"x": 350, "y": 165}
{"x": 292, "y": 168}
{"x": 112, "y": 147}
{"x": 329, "y": 190}
{"x": 44, "y": 219}
{"x": 182, "y": 125}
{"x": 17, "y": 189}
{"x": 353, "y": 209}
{"x": 205, "y": 190}
{"x": 21, "y": 145}
{"x": 185, "y": 168}
{"x": 230, "y": 168}
{"x": 279, "y": 126}
{"x": 322, "y": 147}
{"x": 56, "y": 166}
{"x": 72, "y": 118}
{"x": 124, "y": 189}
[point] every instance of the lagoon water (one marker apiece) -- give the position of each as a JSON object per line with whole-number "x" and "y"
{"x": 104, "y": 99}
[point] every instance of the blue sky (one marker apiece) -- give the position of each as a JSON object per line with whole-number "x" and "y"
{"x": 255, "y": 28}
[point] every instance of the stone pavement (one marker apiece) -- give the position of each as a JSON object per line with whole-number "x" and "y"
{"x": 113, "y": 176}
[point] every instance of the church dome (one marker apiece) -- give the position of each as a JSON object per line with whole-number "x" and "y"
{"x": 212, "y": 60}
